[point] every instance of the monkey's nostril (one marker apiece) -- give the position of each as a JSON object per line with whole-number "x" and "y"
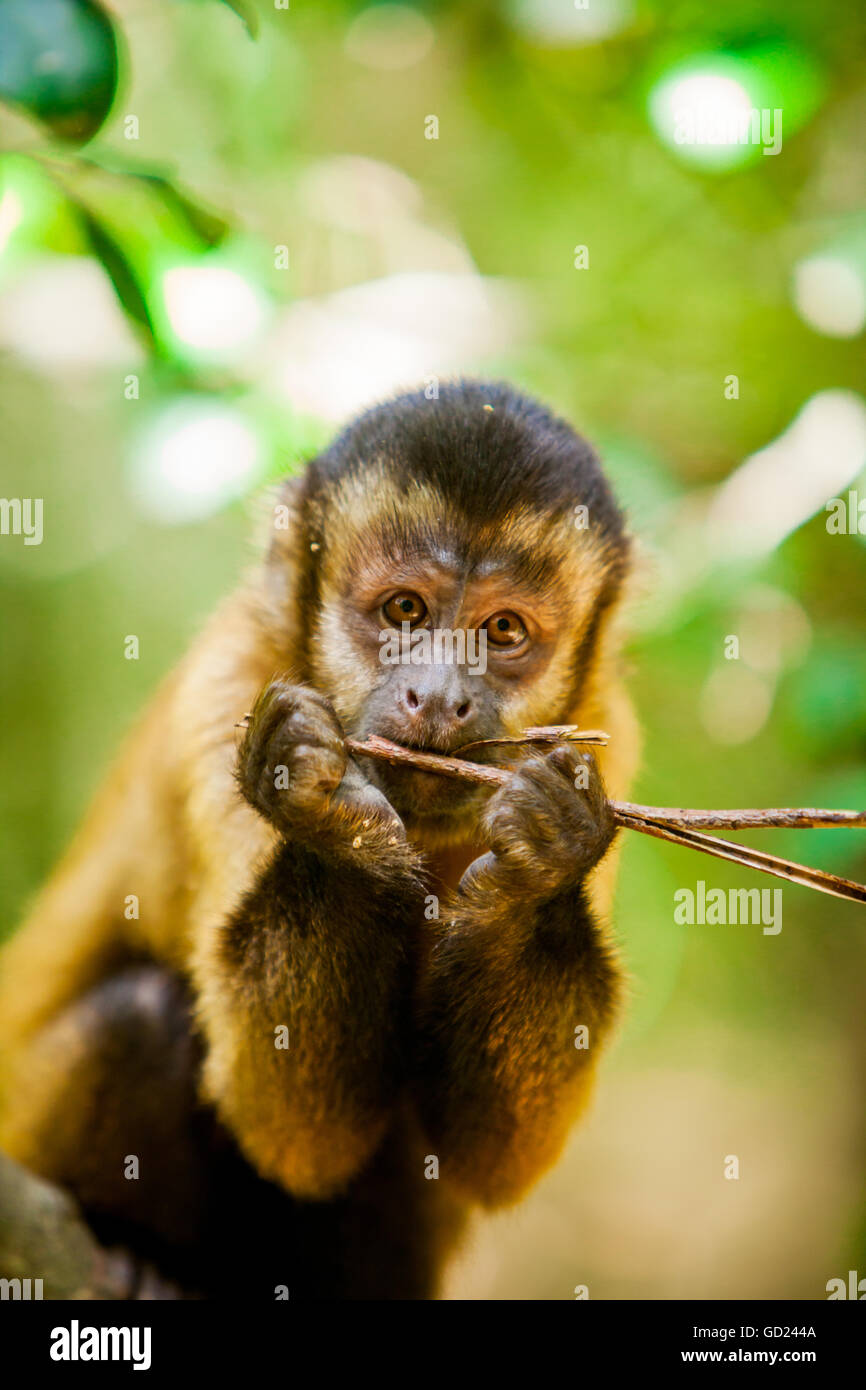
{"x": 463, "y": 709}
{"x": 411, "y": 699}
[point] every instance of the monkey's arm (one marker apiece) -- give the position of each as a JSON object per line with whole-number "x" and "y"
{"x": 519, "y": 966}
{"x": 301, "y": 989}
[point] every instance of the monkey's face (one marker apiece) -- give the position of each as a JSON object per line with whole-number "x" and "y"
{"x": 436, "y": 637}
{"x": 448, "y": 656}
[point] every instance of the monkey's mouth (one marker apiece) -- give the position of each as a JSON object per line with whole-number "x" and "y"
{"x": 416, "y": 793}
{"x": 426, "y": 795}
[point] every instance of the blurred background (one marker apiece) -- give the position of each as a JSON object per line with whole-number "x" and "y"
{"x": 225, "y": 227}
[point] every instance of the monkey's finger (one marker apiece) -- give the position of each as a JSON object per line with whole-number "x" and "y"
{"x": 360, "y": 796}
{"x": 314, "y": 770}
{"x": 560, "y": 813}
{"x": 568, "y": 760}
{"x": 479, "y": 867}
{"x": 523, "y": 813}
{"x": 290, "y": 714}
{"x": 585, "y": 777}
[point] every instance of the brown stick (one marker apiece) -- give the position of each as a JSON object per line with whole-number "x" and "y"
{"x": 819, "y": 879}
{"x": 549, "y": 733}
{"x": 396, "y": 755}
{"x": 790, "y": 817}
{"x": 672, "y": 816}
{"x": 674, "y": 824}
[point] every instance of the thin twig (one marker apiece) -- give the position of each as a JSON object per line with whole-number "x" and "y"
{"x": 548, "y": 733}
{"x": 544, "y": 733}
{"x": 676, "y": 825}
{"x": 751, "y": 858}
{"x": 783, "y": 817}
{"x": 396, "y": 755}
{"x": 675, "y": 817}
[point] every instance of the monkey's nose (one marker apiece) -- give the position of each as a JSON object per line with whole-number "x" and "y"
{"x": 437, "y": 704}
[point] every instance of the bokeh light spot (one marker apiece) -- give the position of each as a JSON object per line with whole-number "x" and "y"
{"x": 830, "y": 295}
{"x": 197, "y": 456}
{"x": 563, "y": 23}
{"x": 213, "y": 309}
{"x": 389, "y": 37}
{"x": 11, "y": 214}
{"x": 706, "y": 113}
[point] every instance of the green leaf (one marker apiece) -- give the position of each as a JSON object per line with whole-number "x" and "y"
{"x": 121, "y": 274}
{"x": 246, "y": 14}
{"x": 58, "y": 60}
{"x": 142, "y": 209}
{"x": 206, "y": 225}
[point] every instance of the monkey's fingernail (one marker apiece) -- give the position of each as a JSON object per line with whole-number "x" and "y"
{"x": 314, "y": 545}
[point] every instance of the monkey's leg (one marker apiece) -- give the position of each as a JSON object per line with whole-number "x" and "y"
{"x": 519, "y": 991}
{"x": 104, "y": 1104}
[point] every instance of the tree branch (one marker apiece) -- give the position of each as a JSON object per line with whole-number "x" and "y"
{"x": 44, "y": 1236}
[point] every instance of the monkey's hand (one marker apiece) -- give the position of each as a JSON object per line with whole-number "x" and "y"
{"x": 546, "y": 829}
{"x": 294, "y": 770}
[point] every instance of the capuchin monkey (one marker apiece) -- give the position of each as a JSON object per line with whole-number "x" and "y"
{"x": 238, "y": 976}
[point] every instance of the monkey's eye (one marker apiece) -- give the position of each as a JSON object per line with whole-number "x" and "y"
{"x": 405, "y": 608}
{"x": 505, "y": 630}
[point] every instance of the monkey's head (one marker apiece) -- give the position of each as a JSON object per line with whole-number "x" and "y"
{"x": 459, "y": 556}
